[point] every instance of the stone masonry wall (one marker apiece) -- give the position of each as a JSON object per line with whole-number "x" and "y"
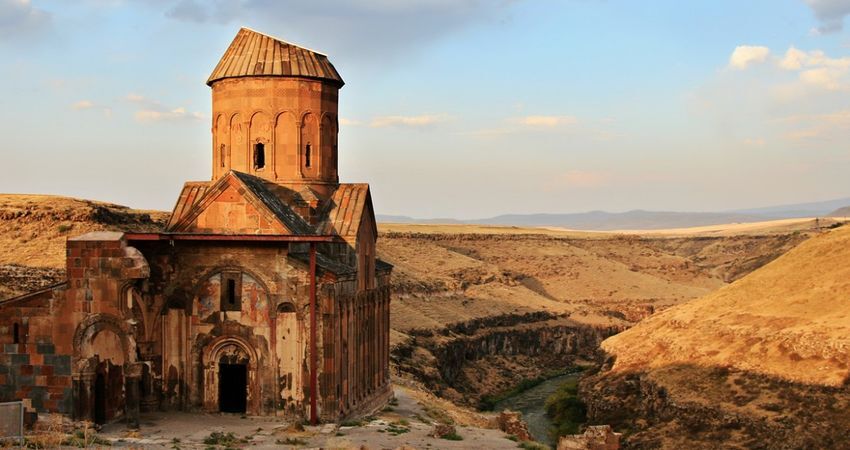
{"x": 31, "y": 370}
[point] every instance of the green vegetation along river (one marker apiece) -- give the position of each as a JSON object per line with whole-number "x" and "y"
{"x": 532, "y": 404}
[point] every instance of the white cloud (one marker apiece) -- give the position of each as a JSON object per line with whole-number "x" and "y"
{"x": 824, "y": 77}
{"x": 745, "y": 55}
{"x": 420, "y": 121}
{"x": 754, "y": 142}
{"x": 350, "y": 123}
{"x": 20, "y": 17}
{"x": 546, "y": 121}
{"x": 88, "y": 104}
{"x": 154, "y": 111}
{"x": 815, "y": 67}
{"x": 793, "y": 59}
{"x": 83, "y": 104}
{"x": 598, "y": 129}
{"x": 374, "y": 30}
{"x": 796, "y": 59}
{"x": 830, "y": 14}
{"x": 149, "y": 115}
{"x": 817, "y": 126}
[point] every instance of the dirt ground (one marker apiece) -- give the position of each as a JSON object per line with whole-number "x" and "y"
{"x": 407, "y": 424}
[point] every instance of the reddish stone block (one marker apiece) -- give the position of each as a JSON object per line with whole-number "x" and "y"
{"x": 113, "y": 244}
{"x": 58, "y": 380}
{"x": 26, "y": 369}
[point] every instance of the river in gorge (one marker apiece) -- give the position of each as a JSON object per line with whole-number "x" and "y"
{"x": 532, "y": 405}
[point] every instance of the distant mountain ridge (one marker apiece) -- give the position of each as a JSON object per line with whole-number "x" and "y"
{"x": 641, "y": 219}
{"x": 841, "y": 212}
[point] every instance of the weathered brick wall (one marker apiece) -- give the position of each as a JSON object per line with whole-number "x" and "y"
{"x": 284, "y": 114}
{"x": 31, "y": 370}
{"x": 38, "y": 365}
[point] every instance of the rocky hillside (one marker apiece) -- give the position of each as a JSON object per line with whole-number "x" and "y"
{"x": 476, "y": 310}
{"x": 34, "y": 229}
{"x": 762, "y": 363}
{"x": 471, "y": 307}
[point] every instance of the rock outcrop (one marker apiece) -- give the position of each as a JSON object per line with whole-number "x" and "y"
{"x": 466, "y": 361}
{"x": 597, "y": 437}
{"x": 761, "y": 364}
{"x": 511, "y": 423}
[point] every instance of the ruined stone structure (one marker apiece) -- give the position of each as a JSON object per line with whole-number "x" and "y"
{"x": 262, "y": 295}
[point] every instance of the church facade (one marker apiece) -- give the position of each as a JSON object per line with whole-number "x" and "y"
{"x": 263, "y": 294}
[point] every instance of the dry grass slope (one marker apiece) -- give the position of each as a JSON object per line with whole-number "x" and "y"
{"x": 790, "y": 320}
{"x": 35, "y": 226}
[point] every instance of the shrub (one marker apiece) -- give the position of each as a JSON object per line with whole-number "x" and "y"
{"x": 351, "y": 423}
{"x": 85, "y": 438}
{"x": 453, "y": 437}
{"x": 530, "y": 445}
{"x": 566, "y": 410}
{"x": 291, "y": 441}
{"x": 224, "y": 439}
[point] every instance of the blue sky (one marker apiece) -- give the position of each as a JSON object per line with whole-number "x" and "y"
{"x": 452, "y": 108}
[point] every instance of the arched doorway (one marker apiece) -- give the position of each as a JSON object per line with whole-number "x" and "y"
{"x": 230, "y": 377}
{"x": 109, "y": 395}
{"x": 233, "y": 383}
{"x": 103, "y": 350}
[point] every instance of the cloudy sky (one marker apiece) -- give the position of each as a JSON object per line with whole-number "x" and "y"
{"x": 461, "y": 108}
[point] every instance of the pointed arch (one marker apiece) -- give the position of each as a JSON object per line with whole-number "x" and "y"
{"x": 261, "y": 130}
{"x": 286, "y": 145}
{"x": 310, "y": 163}
{"x": 238, "y": 144}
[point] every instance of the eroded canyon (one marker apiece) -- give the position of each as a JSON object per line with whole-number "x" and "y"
{"x": 477, "y": 310}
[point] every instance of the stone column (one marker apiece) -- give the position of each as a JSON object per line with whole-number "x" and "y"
{"x": 84, "y": 396}
{"x": 132, "y": 378}
{"x": 149, "y": 400}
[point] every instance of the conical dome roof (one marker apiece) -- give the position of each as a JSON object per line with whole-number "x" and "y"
{"x": 254, "y": 54}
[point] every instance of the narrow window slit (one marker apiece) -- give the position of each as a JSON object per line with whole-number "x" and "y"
{"x": 231, "y": 292}
{"x": 259, "y": 155}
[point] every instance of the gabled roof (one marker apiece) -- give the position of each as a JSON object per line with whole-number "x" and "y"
{"x": 253, "y": 54}
{"x": 340, "y": 215}
{"x": 191, "y": 193}
{"x": 344, "y": 211}
{"x": 251, "y": 188}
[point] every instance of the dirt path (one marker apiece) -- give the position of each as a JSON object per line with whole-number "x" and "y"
{"x": 407, "y": 424}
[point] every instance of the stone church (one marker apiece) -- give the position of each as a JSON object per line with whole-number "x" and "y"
{"x": 262, "y": 295}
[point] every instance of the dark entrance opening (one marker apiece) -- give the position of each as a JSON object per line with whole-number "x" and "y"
{"x": 232, "y": 387}
{"x": 100, "y": 398}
